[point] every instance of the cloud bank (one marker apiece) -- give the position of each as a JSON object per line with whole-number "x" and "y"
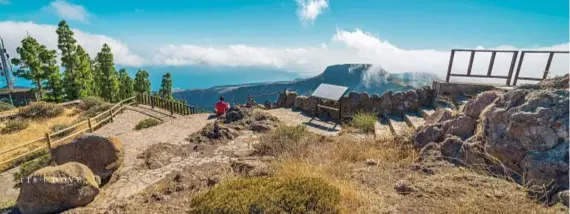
{"x": 345, "y": 46}
{"x": 45, "y": 34}
{"x": 309, "y": 10}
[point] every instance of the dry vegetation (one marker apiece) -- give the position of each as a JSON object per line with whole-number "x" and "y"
{"x": 35, "y": 120}
{"x": 363, "y": 170}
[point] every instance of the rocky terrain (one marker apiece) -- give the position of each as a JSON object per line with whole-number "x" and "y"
{"x": 358, "y": 77}
{"x": 500, "y": 151}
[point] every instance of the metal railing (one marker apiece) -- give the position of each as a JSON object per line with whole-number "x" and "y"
{"x": 31, "y": 149}
{"x": 509, "y": 77}
{"x": 546, "y": 69}
{"x": 490, "y": 68}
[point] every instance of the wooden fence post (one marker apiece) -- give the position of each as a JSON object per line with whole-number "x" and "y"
{"x": 122, "y": 110}
{"x": 48, "y": 138}
{"x": 152, "y": 101}
{"x": 171, "y": 106}
{"x": 111, "y": 111}
{"x": 90, "y": 126}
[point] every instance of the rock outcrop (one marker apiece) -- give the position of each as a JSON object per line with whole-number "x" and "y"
{"x": 528, "y": 132}
{"x": 55, "y": 189}
{"x": 474, "y": 107}
{"x": 521, "y": 133}
{"x": 388, "y": 103}
{"x": 103, "y": 155}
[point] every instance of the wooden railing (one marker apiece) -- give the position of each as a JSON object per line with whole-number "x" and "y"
{"x": 174, "y": 107}
{"x": 32, "y": 149}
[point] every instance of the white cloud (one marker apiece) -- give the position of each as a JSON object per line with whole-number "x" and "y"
{"x": 5, "y": 2}
{"x": 345, "y": 46}
{"x": 309, "y": 10}
{"x": 45, "y": 34}
{"x": 69, "y": 11}
{"x": 354, "y": 46}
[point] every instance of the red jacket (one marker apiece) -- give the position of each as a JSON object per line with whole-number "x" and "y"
{"x": 222, "y": 107}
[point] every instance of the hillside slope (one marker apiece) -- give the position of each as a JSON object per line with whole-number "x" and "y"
{"x": 358, "y": 77}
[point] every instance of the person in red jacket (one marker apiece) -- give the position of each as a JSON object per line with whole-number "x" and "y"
{"x": 221, "y": 106}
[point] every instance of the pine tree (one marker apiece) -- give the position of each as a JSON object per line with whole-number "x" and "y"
{"x": 29, "y": 63}
{"x": 53, "y": 82}
{"x": 166, "y": 87}
{"x": 107, "y": 76}
{"x": 125, "y": 84}
{"x": 142, "y": 83}
{"x": 97, "y": 77}
{"x": 84, "y": 73}
{"x": 68, "y": 48}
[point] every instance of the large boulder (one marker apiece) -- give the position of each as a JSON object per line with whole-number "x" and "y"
{"x": 386, "y": 103}
{"x": 234, "y": 114}
{"x": 282, "y": 98}
{"x": 354, "y": 101}
{"x": 527, "y": 130}
{"x": 54, "y": 189}
{"x": 376, "y": 103}
{"x": 398, "y": 99}
{"x": 366, "y": 103}
{"x": 309, "y": 105}
{"x": 474, "y": 107}
{"x": 440, "y": 115}
{"x": 299, "y": 102}
{"x": 103, "y": 155}
{"x": 411, "y": 102}
{"x": 461, "y": 126}
{"x": 427, "y": 134}
{"x": 290, "y": 100}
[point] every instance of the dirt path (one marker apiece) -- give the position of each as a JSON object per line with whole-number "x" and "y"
{"x": 293, "y": 118}
{"x": 130, "y": 180}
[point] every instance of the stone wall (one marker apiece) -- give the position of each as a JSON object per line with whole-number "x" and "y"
{"x": 395, "y": 103}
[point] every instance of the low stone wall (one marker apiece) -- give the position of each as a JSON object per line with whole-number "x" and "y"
{"x": 395, "y": 103}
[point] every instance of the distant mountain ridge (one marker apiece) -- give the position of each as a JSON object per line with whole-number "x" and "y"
{"x": 357, "y": 77}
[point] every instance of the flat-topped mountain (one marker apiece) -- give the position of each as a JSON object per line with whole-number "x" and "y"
{"x": 358, "y": 77}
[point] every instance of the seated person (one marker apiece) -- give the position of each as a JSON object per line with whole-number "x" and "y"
{"x": 221, "y": 106}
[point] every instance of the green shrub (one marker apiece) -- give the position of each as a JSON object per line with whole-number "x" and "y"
{"x": 269, "y": 195}
{"x": 93, "y": 106}
{"x": 41, "y": 110}
{"x": 16, "y": 125}
{"x": 31, "y": 166}
{"x": 146, "y": 123}
{"x": 284, "y": 139}
{"x": 90, "y": 102}
{"x": 5, "y": 106}
{"x": 364, "y": 122}
{"x": 95, "y": 110}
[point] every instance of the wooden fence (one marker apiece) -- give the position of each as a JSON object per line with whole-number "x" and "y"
{"x": 174, "y": 107}
{"x": 14, "y": 156}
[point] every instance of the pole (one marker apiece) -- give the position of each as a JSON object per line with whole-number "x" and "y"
{"x": 89, "y": 123}
{"x": 5, "y": 65}
{"x": 48, "y": 138}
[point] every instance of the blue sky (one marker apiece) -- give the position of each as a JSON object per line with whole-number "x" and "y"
{"x": 300, "y": 36}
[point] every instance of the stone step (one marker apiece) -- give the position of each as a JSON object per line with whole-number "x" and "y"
{"x": 398, "y": 125}
{"x": 426, "y": 112}
{"x": 414, "y": 120}
{"x": 382, "y": 129}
